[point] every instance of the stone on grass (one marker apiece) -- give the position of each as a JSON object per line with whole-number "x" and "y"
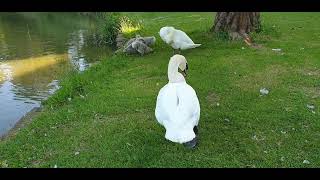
{"x": 306, "y": 162}
{"x": 264, "y": 91}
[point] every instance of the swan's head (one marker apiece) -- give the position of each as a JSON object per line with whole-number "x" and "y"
{"x": 183, "y": 64}
{"x": 164, "y": 32}
{"x": 177, "y": 63}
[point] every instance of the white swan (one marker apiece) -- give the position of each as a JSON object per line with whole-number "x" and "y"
{"x": 177, "y": 39}
{"x": 177, "y": 107}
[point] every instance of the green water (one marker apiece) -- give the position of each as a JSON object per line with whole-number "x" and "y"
{"x": 36, "y": 49}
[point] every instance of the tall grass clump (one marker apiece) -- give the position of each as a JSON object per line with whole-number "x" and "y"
{"x": 128, "y": 28}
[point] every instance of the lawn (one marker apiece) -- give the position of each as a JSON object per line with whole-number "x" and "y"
{"x": 104, "y": 117}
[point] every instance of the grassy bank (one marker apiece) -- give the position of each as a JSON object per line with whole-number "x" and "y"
{"x": 109, "y": 120}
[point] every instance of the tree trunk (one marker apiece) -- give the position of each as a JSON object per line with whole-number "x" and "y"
{"x": 237, "y": 24}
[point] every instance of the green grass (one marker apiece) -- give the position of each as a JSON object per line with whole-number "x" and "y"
{"x": 114, "y": 124}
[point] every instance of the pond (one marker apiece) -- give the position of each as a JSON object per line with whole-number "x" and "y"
{"x": 36, "y": 50}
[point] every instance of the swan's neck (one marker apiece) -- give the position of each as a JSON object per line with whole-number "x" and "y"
{"x": 173, "y": 74}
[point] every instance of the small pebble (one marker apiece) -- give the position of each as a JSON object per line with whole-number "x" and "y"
{"x": 69, "y": 99}
{"x": 218, "y": 104}
{"x": 242, "y": 48}
{"x": 55, "y": 166}
{"x": 264, "y": 91}
{"x": 306, "y": 162}
{"x": 310, "y": 106}
{"x": 227, "y": 120}
{"x": 254, "y": 137}
{"x": 276, "y": 50}
{"x": 76, "y": 153}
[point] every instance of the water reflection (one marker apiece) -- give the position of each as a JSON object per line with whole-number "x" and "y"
{"x": 25, "y": 83}
{"x": 75, "y": 51}
{"x": 36, "y": 49}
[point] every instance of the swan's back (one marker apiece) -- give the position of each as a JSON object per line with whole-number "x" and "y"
{"x": 178, "y": 110}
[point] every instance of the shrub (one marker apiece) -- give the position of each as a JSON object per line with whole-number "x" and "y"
{"x": 111, "y": 27}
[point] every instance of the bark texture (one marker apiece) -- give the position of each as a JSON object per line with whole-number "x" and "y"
{"x": 237, "y": 24}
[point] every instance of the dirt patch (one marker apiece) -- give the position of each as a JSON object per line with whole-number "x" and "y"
{"x": 270, "y": 77}
{"x": 212, "y": 98}
{"x": 312, "y": 92}
{"x": 311, "y": 72}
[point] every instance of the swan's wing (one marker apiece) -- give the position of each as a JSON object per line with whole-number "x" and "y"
{"x": 182, "y": 37}
{"x": 189, "y": 107}
{"x": 166, "y": 104}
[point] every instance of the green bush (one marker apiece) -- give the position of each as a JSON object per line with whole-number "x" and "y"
{"x": 110, "y": 27}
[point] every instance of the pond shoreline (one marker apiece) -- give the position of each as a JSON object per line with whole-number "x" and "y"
{"x": 21, "y": 123}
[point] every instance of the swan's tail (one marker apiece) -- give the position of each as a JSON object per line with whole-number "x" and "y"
{"x": 190, "y": 46}
{"x": 196, "y": 45}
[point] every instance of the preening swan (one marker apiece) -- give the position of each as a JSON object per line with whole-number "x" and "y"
{"x": 177, "y": 39}
{"x": 177, "y": 107}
